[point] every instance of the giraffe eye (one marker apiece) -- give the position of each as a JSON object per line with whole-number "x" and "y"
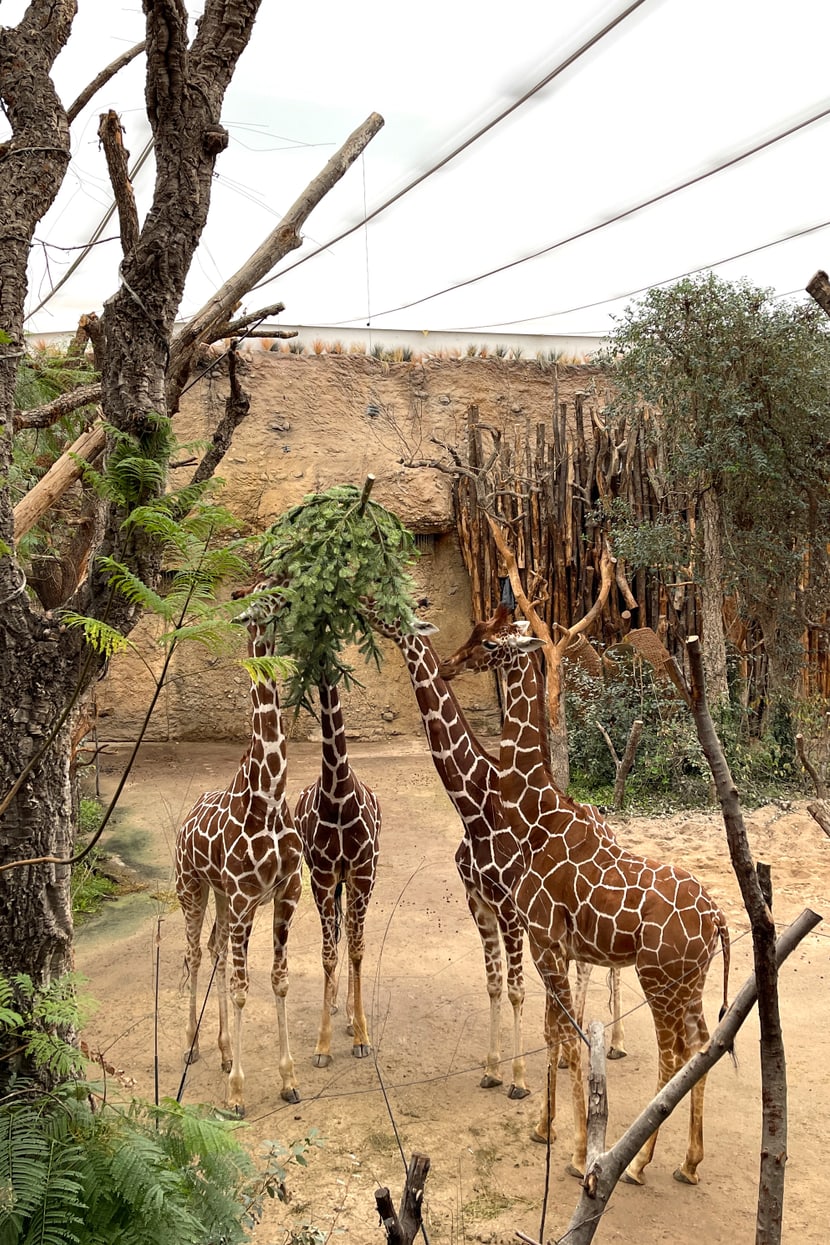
{"x": 489, "y": 645}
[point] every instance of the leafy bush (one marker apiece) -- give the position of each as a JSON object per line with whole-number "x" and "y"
{"x": 79, "y": 1169}
{"x": 330, "y": 554}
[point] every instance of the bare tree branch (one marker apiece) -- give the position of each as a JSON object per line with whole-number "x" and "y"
{"x": 64, "y": 404}
{"x": 64, "y": 472}
{"x": 110, "y": 133}
{"x": 102, "y": 79}
{"x": 284, "y": 238}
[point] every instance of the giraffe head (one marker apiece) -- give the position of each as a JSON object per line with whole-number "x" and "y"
{"x": 264, "y": 602}
{"x": 490, "y": 644}
{"x": 401, "y": 627}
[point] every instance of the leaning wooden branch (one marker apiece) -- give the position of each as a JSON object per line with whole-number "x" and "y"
{"x": 110, "y": 133}
{"x": 603, "y": 1174}
{"x": 237, "y": 406}
{"x": 773, "y": 1062}
{"x": 103, "y": 78}
{"x": 284, "y": 238}
{"x": 403, "y": 1226}
{"x": 64, "y": 472}
{"x": 819, "y": 289}
{"x": 64, "y": 404}
{"x": 817, "y": 780}
{"x": 622, "y": 767}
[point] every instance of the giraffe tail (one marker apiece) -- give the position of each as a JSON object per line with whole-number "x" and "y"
{"x": 723, "y": 935}
{"x": 338, "y": 911}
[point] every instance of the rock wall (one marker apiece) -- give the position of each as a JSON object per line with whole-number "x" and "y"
{"x": 317, "y": 421}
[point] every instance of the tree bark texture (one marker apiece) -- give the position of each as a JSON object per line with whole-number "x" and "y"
{"x": 41, "y": 665}
{"x": 773, "y": 1059}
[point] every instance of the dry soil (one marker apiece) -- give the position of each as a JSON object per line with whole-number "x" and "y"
{"x": 428, "y": 1012}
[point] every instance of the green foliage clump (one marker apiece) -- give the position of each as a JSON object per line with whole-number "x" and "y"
{"x": 330, "y": 555}
{"x": 77, "y": 1168}
{"x": 669, "y": 768}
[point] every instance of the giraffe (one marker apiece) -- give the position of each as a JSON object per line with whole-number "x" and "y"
{"x": 487, "y": 858}
{"x": 241, "y": 844}
{"x": 584, "y": 896}
{"x": 470, "y": 658}
{"x": 339, "y": 820}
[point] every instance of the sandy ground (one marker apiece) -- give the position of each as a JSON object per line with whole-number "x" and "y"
{"x": 428, "y": 1010}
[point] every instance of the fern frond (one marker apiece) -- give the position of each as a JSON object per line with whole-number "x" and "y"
{"x": 132, "y": 588}
{"x": 269, "y": 669}
{"x": 101, "y": 637}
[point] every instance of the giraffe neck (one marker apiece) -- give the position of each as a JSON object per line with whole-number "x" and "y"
{"x": 458, "y": 757}
{"x": 527, "y": 788}
{"x": 262, "y": 774}
{"x": 335, "y": 753}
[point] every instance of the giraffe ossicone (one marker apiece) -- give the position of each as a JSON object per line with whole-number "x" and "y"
{"x": 241, "y": 845}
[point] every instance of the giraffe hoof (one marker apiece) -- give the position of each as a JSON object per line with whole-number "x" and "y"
{"x": 572, "y": 1170}
{"x": 539, "y": 1139}
{"x": 226, "y": 1065}
{"x": 290, "y": 1095}
{"x": 319, "y": 1061}
{"x": 191, "y": 1057}
{"x": 237, "y": 1110}
{"x": 517, "y": 1092}
{"x": 490, "y": 1082}
{"x": 361, "y": 1050}
{"x": 563, "y": 1063}
{"x": 628, "y": 1178}
{"x": 684, "y": 1178}
{"x": 350, "y": 1029}
{"x": 616, "y": 1052}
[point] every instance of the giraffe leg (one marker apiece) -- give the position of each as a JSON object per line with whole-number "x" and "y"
{"x": 193, "y": 898}
{"x": 617, "y": 1048}
{"x": 218, "y": 948}
{"x": 544, "y": 1130}
{"x": 488, "y": 932}
{"x": 240, "y": 933}
{"x": 324, "y": 889}
{"x": 285, "y": 901}
{"x": 687, "y": 1172}
{"x": 359, "y": 885}
{"x": 513, "y": 939}
{"x": 580, "y": 994}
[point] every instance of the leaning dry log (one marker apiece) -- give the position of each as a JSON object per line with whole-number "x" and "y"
{"x": 820, "y": 810}
{"x": 57, "y": 480}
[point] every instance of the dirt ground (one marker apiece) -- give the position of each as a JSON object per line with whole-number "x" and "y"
{"x": 428, "y": 1012}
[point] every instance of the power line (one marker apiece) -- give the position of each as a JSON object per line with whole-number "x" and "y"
{"x": 603, "y": 224}
{"x": 468, "y": 142}
{"x": 546, "y": 315}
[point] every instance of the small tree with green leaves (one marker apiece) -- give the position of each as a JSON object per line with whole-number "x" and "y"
{"x": 740, "y": 384}
{"x": 329, "y": 555}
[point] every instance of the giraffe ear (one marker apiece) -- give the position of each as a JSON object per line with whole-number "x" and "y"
{"x": 528, "y": 643}
{"x": 422, "y": 627}
{"x": 521, "y": 624}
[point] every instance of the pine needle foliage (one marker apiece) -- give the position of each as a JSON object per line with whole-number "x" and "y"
{"x": 329, "y": 555}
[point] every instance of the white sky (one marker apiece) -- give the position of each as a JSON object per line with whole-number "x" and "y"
{"x": 678, "y": 87}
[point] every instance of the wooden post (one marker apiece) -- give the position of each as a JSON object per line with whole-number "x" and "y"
{"x": 402, "y": 1227}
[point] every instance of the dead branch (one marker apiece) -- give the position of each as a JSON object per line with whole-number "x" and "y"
{"x": 237, "y": 406}
{"x": 820, "y": 811}
{"x": 773, "y": 1064}
{"x": 622, "y": 766}
{"x": 64, "y": 472}
{"x": 103, "y": 78}
{"x": 284, "y": 238}
{"x": 64, "y": 404}
{"x": 236, "y": 327}
{"x": 603, "y": 1174}
{"x": 818, "y": 287}
{"x": 817, "y": 780}
{"x": 403, "y": 1226}
{"x": 110, "y": 133}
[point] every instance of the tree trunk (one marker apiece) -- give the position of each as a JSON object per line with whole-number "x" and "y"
{"x": 711, "y": 600}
